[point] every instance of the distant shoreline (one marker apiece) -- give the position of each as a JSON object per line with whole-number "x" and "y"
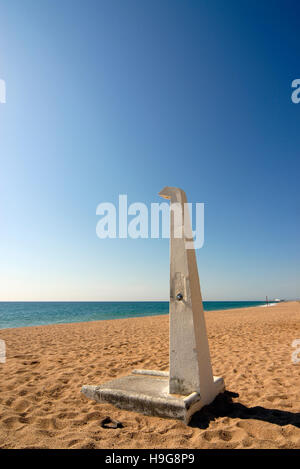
{"x": 17, "y": 315}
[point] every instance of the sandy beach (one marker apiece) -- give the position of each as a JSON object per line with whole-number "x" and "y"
{"x": 41, "y": 405}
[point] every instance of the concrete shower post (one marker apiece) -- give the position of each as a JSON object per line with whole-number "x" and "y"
{"x": 190, "y": 365}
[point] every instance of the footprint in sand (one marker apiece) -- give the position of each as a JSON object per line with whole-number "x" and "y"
{"x": 20, "y": 405}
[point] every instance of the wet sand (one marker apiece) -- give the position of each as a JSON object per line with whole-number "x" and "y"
{"x": 41, "y": 405}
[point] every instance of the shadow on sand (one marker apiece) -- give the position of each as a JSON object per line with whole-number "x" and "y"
{"x": 223, "y": 406}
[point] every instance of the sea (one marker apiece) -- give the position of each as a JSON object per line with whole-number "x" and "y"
{"x": 23, "y": 314}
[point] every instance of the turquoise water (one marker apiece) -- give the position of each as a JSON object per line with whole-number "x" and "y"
{"x": 21, "y": 314}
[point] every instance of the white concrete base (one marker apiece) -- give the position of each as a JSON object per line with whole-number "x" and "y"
{"x": 147, "y": 392}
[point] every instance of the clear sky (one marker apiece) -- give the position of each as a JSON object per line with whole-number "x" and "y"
{"x": 109, "y": 97}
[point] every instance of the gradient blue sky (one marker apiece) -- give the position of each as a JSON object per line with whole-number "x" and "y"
{"x": 108, "y": 97}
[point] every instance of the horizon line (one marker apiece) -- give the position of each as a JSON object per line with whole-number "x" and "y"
{"x": 133, "y": 301}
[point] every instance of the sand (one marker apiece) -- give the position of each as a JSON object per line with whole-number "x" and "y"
{"x": 41, "y": 405}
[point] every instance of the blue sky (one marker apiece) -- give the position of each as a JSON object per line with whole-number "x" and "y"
{"x": 127, "y": 96}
